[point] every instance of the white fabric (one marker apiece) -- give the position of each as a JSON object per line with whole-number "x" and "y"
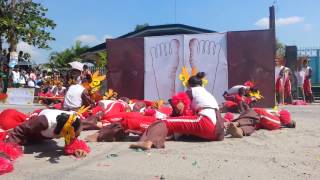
{"x": 277, "y": 72}
{"x": 15, "y": 76}
{"x": 201, "y": 98}
{"x": 76, "y": 65}
{"x": 306, "y": 70}
{"x": 164, "y": 57}
{"x": 208, "y": 53}
{"x": 235, "y": 89}
{"x": 73, "y": 98}
{"x": 210, "y": 113}
{"x": 51, "y": 115}
{"x": 31, "y": 83}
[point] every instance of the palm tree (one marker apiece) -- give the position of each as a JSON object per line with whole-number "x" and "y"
{"x": 61, "y": 59}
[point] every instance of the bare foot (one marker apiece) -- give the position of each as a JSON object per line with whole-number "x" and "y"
{"x": 146, "y": 145}
{"x": 235, "y": 131}
{"x": 92, "y": 138}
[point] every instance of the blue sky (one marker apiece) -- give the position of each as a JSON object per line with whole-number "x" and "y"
{"x": 91, "y": 21}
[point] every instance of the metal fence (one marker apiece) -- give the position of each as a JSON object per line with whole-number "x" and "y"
{"x": 314, "y": 56}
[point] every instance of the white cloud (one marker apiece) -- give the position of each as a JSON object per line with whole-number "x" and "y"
{"x": 264, "y": 22}
{"x": 87, "y": 39}
{"x": 25, "y": 47}
{"x": 92, "y": 40}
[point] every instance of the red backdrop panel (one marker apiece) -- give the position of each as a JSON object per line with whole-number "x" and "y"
{"x": 251, "y": 57}
{"x": 126, "y": 67}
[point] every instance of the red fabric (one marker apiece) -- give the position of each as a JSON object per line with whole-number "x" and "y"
{"x": 131, "y": 121}
{"x": 184, "y": 98}
{"x": 114, "y": 108}
{"x": 268, "y": 120}
{"x": 299, "y": 102}
{"x": 230, "y": 104}
{"x": 149, "y": 112}
{"x": 3, "y": 96}
{"x": 287, "y": 88}
{"x": 166, "y": 110}
{"x": 228, "y": 117}
{"x": 250, "y": 84}
{"x": 58, "y": 105}
{"x": 285, "y": 117}
{"x": 76, "y": 144}
{"x": 13, "y": 151}
{"x": 11, "y": 118}
{"x": 199, "y": 126}
{"x": 3, "y": 135}
{"x": 279, "y": 86}
{"x": 5, "y": 166}
{"x": 307, "y": 86}
{"x": 96, "y": 110}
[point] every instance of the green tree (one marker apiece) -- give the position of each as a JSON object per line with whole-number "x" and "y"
{"x": 140, "y": 26}
{"x": 25, "y": 20}
{"x": 102, "y": 59}
{"x": 280, "y": 48}
{"x": 61, "y": 59}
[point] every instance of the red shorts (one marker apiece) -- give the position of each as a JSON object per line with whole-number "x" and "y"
{"x": 130, "y": 121}
{"x": 199, "y": 126}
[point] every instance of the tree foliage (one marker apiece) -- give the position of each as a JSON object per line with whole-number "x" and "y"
{"x": 102, "y": 59}
{"x": 61, "y": 59}
{"x": 280, "y": 48}
{"x": 25, "y": 20}
{"x": 140, "y": 26}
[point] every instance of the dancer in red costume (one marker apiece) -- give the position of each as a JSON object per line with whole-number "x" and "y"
{"x": 259, "y": 118}
{"x": 49, "y": 124}
{"x": 206, "y": 123}
{"x": 307, "y": 81}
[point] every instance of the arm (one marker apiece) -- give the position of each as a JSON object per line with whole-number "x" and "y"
{"x": 86, "y": 100}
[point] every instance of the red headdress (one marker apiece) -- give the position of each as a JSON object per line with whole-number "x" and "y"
{"x": 250, "y": 84}
{"x": 184, "y": 98}
{"x": 285, "y": 117}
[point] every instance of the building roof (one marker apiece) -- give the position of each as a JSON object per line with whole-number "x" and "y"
{"x": 159, "y": 30}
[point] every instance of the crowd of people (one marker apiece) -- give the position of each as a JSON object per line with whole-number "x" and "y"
{"x": 192, "y": 113}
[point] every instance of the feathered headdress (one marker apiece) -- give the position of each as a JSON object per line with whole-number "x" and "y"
{"x": 68, "y": 131}
{"x": 96, "y": 82}
{"x": 184, "y": 76}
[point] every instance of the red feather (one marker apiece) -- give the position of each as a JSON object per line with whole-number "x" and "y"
{"x": 76, "y": 144}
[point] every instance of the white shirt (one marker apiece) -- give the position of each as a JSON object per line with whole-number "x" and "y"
{"x": 73, "y": 98}
{"x": 201, "y": 98}
{"x": 51, "y": 115}
{"x": 15, "y": 76}
{"x": 277, "y": 72}
{"x": 235, "y": 89}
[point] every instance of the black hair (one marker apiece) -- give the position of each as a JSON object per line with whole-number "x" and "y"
{"x": 85, "y": 66}
{"x": 61, "y": 121}
{"x": 196, "y": 80}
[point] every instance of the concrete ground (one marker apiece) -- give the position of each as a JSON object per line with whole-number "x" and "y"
{"x": 281, "y": 154}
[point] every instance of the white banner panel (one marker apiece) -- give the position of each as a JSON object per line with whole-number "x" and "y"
{"x": 21, "y": 96}
{"x": 163, "y": 58}
{"x": 208, "y": 53}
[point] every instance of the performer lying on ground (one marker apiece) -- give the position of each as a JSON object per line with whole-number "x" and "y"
{"x": 50, "y": 124}
{"x": 258, "y": 118}
{"x": 206, "y": 123}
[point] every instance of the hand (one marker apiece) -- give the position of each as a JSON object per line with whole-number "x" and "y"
{"x": 79, "y": 153}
